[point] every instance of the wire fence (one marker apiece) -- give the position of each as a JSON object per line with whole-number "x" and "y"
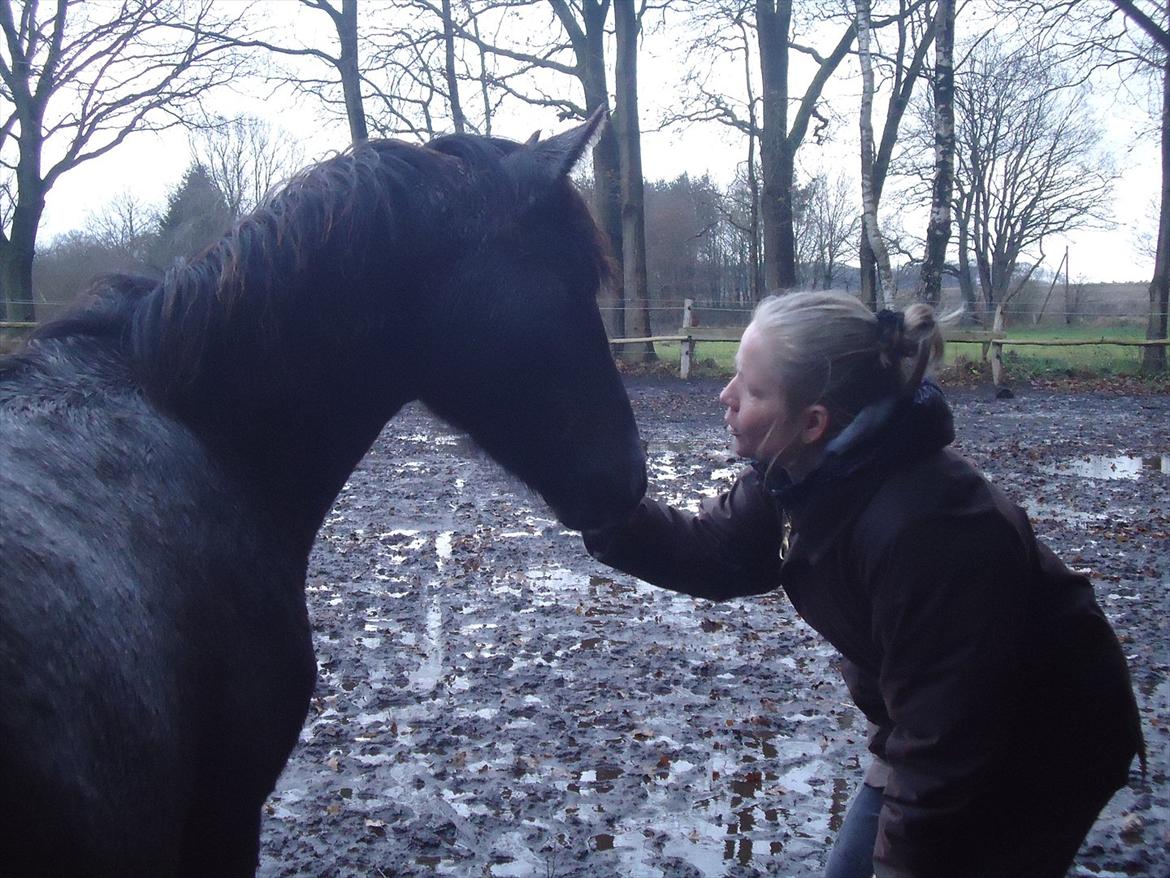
{"x": 1084, "y": 338}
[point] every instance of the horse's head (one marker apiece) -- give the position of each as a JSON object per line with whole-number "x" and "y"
{"x": 519, "y": 356}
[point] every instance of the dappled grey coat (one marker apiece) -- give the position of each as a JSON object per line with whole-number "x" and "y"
{"x": 1001, "y": 696}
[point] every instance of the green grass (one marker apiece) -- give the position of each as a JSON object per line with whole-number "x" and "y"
{"x": 712, "y": 358}
{"x": 1026, "y": 361}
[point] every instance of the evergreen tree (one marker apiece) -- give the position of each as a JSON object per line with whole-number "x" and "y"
{"x": 196, "y": 216}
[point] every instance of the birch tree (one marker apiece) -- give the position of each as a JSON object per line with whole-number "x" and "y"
{"x": 938, "y": 231}
{"x": 913, "y": 29}
{"x": 886, "y": 289}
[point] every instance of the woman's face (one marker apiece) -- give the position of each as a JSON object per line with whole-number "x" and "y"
{"x": 757, "y": 416}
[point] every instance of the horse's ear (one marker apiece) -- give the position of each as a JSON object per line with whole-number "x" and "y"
{"x": 545, "y": 162}
{"x": 533, "y": 138}
{"x": 565, "y": 150}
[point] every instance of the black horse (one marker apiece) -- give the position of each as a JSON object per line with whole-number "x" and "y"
{"x": 168, "y": 451}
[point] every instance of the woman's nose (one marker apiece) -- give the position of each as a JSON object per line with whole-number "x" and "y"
{"x": 725, "y": 395}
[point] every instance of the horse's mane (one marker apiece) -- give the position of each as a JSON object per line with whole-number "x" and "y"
{"x": 347, "y": 195}
{"x": 367, "y": 211}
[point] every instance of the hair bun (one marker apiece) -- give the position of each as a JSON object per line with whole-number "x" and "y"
{"x": 892, "y": 339}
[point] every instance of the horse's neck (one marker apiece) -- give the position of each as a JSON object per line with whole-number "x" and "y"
{"x": 294, "y": 469}
{"x": 290, "y": 408}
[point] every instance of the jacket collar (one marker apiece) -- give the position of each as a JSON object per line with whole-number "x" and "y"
{"x": 883, "y": 438}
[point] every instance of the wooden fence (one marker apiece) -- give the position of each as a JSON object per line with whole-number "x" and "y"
{"x": 993, "y": 341}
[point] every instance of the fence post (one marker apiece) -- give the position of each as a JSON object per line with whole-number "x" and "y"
{"x": 687, "y": 348}
{"x": 997, "y": 348}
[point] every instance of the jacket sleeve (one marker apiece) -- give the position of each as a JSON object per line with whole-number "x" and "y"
{"x": 729, "y": 549}
{"x": 949, "y": 603}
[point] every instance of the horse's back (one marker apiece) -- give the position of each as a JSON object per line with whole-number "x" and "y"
{"x": 143, "y": 615}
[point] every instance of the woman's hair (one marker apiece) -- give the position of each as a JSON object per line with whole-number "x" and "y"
{"x": 829, "y": 348}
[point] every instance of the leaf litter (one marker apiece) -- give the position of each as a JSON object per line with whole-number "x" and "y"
{"x": 493, "y": 702}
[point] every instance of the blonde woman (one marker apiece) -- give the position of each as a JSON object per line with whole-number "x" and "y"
{"x": 1000, "y": 703}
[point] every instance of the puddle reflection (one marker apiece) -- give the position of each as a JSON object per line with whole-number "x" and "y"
{"x": 1117, "y": 466}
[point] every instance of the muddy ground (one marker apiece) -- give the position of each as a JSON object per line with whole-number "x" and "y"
{"x": 492, "y": 702}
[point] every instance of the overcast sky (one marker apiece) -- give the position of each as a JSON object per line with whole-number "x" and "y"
{"x": 149, "y": 165}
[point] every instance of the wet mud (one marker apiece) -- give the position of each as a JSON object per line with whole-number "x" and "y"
{"x": 492, "y": 702}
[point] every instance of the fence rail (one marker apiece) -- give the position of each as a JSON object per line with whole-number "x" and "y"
{"x": 993, "y": 341}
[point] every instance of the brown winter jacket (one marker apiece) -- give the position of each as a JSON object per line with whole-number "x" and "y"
{"x": 1000, "y": 692}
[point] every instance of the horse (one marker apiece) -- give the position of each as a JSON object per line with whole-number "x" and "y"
{"x": 170, "y": 448}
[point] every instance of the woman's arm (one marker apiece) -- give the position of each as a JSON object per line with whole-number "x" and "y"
{"x": 729, "y": 549}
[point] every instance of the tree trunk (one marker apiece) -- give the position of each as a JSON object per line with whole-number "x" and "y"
{"x": 885, "y": 292}
{"x": 1154, "y": 357}
{"x": 351, "y": 84}
{"x": 589, "y": 49}
{"x": 16, "y": 258}
{"x": 903, "y": 89}
{"x": 633, "y": 209}
{"x": 19, "y": 247}
{"x": 755, "y": 269}
{"x": 457, "y": 119}
{"x": 966, "y": 282}
{"x": 484, "y": 90}
{"x": 938, "y": 230}
{"x": 773, "y": 21}
{"x": 867, "y": 274}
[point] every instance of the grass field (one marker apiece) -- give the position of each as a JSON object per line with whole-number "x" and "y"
{"x": 1024, "y": 361}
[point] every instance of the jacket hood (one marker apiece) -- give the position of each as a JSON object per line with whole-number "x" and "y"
{"x": 883, "y": 437}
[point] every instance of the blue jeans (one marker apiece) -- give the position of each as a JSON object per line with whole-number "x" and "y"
{"x": 852, "y": 853}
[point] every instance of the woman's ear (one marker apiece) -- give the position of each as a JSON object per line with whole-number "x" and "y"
{"x": 814, "y": 425}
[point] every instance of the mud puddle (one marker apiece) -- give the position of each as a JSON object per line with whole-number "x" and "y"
{"x": 493, "y": 702}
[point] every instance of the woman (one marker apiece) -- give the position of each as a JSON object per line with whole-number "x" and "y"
{"x": 1002, "y": 713}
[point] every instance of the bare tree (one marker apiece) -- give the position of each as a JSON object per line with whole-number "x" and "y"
{"x": 342, "y": 59}
{"x": 78, "y": 79}
{"x": 633, "y": 203}
{"x": 1156, "y": 24}
{"x": 883, "y": 295}
{"x": 245, "y": 158}
{"x": 1029, "y": 163}
{"x": 125, "y": 227}
{"x": 727, "y": 31}
{"x": 938, "y": 231}
{"x": 913, "y": 28}
{"x": 572, "y": 45}
{"x": 730, "y": 29}
{"x": 1145, "y": 20}
{"x": 833, "y": 222}
{"x": 780, "y": 141}
{"x": 1129, "y": 37}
